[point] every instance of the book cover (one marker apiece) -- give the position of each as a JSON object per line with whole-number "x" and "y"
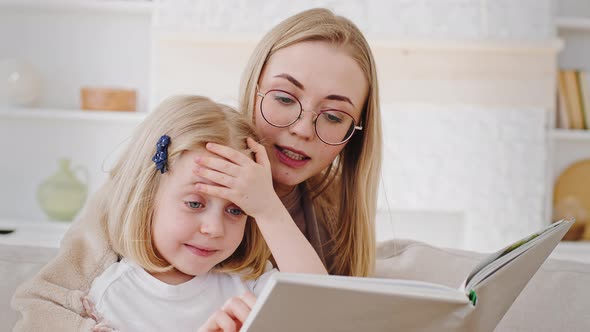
{"x": 304, "y": 302}
{"x": 584, "y": 84}
{"x": 563, "y": 119}
{"x": 574, "y": 104}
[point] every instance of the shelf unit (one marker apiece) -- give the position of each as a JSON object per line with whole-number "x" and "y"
{"x": 570, "y": 146}
{"x": 72, "y": 44}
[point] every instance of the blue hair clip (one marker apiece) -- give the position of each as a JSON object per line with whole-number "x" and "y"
{"x": 161, "y": 156}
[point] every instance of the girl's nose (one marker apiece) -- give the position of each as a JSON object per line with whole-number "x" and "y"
{"x": 212, "y": 224}
{"x": 304, "y": 127}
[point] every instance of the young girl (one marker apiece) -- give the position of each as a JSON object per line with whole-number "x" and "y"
{"x": 183, "y": 253}
{"x": 318, "y": 63}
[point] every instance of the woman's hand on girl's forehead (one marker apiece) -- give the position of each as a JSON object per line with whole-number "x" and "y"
{"x": 239, "y": 179}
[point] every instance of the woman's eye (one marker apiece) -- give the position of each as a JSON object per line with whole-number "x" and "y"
{"x": 194, "y": 205}
{"x": 332, "y": 117}
{"x": 284, "y": 100}
{"x": 235, "y": 211}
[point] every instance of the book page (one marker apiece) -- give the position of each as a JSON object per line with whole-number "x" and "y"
{"x": 497, "y": 260}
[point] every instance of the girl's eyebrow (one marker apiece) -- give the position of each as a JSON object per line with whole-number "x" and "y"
{"x": 299, "y": 85}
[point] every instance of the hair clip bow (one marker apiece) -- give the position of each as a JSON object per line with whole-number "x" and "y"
{"x": 161, "y": 156}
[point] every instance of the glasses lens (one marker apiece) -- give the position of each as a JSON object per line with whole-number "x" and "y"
{"x": 280, "y": 108}
{"x": 334, "y": 127}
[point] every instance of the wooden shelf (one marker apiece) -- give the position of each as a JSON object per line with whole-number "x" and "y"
{"x": 572, "y": 23}
{"x": 72, "y": 114}
{"x": 106, "y": 6}
{"x": 570, "y": 135}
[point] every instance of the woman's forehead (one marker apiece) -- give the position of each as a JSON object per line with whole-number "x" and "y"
{"x": 317, "y": 67}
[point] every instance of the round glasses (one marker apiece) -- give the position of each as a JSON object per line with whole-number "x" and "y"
{"x": 281, "y": 109}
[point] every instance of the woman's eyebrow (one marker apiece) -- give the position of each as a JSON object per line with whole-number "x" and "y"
{"x": 292, "y": 80}
{"x": 339, "y": 98}
{"x": 298, "y": 84}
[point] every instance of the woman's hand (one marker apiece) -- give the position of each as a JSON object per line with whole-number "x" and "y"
{"x": 231, "y": 316}
{"x": 241, "y": 180}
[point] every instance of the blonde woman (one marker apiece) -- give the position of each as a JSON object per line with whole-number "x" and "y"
{"x": 311, "y": 89}
{"x": 319, "y": 64}
{"x": 182, "y": 253}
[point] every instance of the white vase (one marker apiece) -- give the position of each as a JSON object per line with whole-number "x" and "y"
{"x": 20, "y": 83}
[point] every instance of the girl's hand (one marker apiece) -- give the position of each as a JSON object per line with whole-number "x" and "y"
{"x": 231, "y": 316}
{"x": 240, "y": 180}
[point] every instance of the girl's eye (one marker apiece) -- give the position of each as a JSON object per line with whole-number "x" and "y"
{"x": 194, "y": 205}
{"x": 235, "y": 211}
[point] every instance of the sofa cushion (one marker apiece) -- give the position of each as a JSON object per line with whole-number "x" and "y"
{"x": 556, "y": 299}
{"x": 17, "y": 264}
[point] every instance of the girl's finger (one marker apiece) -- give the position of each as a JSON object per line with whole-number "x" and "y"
{"x": 219, "y": 164}
{"x": 228, "y": 153}
{"x": 237, "y": 309}
{"x": 215, "y": 176}
{"x": 249, "y": 299}
{"x": 259, "y": 152}
{"x": 220, "y": 321}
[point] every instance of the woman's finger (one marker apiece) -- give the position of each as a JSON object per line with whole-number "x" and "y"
{"x": 215, "y": 176}
{"x": 228, "y": 153}
{"x": 217, "y": 191}
{"x": 218, "y": 164}
{"x": 259, "y": 152}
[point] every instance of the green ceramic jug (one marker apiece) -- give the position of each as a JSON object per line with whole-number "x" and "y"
{"x": 62, "y": 194}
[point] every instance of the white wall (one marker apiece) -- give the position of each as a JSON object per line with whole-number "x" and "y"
{"x": 466, "y": 87}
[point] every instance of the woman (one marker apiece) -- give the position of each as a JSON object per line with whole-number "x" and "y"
{"x": 309, "y": 77}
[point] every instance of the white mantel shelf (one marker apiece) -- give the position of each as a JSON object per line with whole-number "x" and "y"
{"x": 570, "y": 135}
{"x": 572, "y": 23}
{"x": 70, "y": 114}
{"x": 104, "y": 6}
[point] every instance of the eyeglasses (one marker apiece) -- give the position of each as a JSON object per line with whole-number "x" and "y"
{"x": 281, "y": 109}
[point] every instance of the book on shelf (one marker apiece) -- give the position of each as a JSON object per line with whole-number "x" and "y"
{"x": 573, "y": 100}
{"x": 584, "y": 87}
{"x": 304, "y": 302}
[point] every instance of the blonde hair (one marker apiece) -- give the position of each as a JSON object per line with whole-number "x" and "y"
{"x": 345, "y": 194}
{"x": 191, "y": 122}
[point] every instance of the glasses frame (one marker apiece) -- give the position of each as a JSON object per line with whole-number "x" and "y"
{"x": 301, "y": 110}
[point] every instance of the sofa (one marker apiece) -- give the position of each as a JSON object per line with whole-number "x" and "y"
{"x": 556, "y": 299}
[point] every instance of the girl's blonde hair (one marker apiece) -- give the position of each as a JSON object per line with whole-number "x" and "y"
{"x": 345, "y": 194}
{"x": 191, "y": 122}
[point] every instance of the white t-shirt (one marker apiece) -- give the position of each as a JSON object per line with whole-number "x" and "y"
{"x": 130, "y": 299}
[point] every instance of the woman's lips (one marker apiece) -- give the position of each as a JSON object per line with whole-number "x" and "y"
{"x": 203, "y": 252}
{"x": 291, "y": 158}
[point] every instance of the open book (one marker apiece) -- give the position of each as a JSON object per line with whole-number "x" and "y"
{"x": 304, "y": 302}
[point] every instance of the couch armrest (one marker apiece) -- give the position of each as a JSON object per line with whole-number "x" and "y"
{"x": 17, "y": 264}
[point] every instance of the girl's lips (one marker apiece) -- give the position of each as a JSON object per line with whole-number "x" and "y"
{"x": 288, "y": 161}
{"x": 203, "y": 252}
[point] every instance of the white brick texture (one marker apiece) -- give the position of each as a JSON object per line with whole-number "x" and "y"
{"x": 397, "y": 19}
{"x": 488, "y": 163}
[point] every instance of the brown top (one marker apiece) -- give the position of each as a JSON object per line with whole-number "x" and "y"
{"x": 299, "y": 205}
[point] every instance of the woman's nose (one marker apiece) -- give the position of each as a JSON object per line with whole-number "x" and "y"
{"x": 304, "y": 127}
